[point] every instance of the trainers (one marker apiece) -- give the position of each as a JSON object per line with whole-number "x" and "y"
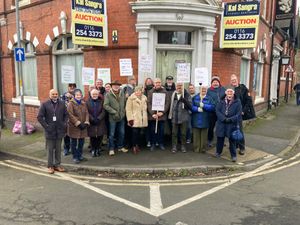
{"x": 50, "y": 170}
{"x": 233, "y": 159}
{"x": 66, "y": 152}
{"x": 156, "y": 144}
{"x": 209, "y": 144}
{"x": 148, "y": 144}
{"x": 183, "y": 149}
{"x": 162, "y": 147}
{"x": 242, "y": 152}
{"x": 76, "y": 161}
{"x": 174, "y": 149}
{"x": 152, "y": 148}
{"x": 59, "y": 169}
{"x": 83, "y": 159}
{"x": 111, "y": 152}
{"x": 123, "y": 150}
{"x": 188, "y": 141}
{"x": 217, "y": 155}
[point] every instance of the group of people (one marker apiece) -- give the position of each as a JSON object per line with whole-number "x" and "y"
{"x": 123, "y": 113}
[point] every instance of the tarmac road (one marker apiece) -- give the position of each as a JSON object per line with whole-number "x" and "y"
{"x": 268, "y": 195}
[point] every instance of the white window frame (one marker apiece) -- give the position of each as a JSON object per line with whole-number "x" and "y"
{"x": 64, "y": 51}
{"x": 21, "y": 3}
{"x": 28, "y": 100}
{"x": 247, "y": 56}
{"x": 264, "y": 13}
{"x": 260, "y": 68}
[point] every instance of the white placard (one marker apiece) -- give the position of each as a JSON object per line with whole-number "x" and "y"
{"x": 145, "y": 64}
{"x": 158, "y": 101}
{"x": 104, "y": 74}
{"x": 10, "y": 45}
{"x": 35, "y": 42}
{"x": 125, "y": 67}
{"x": 15, "y": 38}
{"x": 88, "y": 76}
{"x": 183, "y": 72}
{"x": 48, "y": 40}
{"x": 67, "y": 74}
{"x": 28, "y": 36}
{"x": 55, "y": 31}
{"x": 201, "y": 76}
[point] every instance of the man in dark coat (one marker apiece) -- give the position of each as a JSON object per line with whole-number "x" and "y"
{"x": 248, "y": 112}
{"x": 297, "y": 90}
{"x": 229, "y": 111}
{"x": 53, "y": 117}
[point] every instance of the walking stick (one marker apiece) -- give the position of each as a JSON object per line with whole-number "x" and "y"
{"x": 156, "y": 124}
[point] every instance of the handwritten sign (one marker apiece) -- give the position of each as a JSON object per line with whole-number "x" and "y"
{"x": 145, "y": 64}
{"x": 67, "y": 74}
{"x": 201, "y": 76}
{"x": 88, "y": 76}
{"x": 183, "y": 72}
{"x": 126, "y": 67}
{"x": 158, "y": 101}
{"x": 104, "y": 74}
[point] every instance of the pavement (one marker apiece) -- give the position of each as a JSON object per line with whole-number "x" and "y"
{"x": 272, "y": 134}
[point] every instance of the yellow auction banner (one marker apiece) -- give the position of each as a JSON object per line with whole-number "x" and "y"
{"x": 240, "y": 25}
{"x": 89, "y": 22}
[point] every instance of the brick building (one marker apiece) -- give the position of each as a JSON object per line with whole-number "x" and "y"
{"x": 168, "y": 31}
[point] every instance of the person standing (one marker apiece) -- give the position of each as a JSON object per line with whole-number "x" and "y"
{"x": 170, "y": 88}
{"x": 53, "y": 117}
{"x": 248, "y": 112}
{"x": 99, "y": 86}
{"x": 159, "y": 116}
{"x": 136, "y": 113}
{"x": 114, "y": 104}
{"x": 297, "y": 90}
{"x": 148, "y": 86}
{"x": 66, "y": 97}
{"x": 229, "y": 115}
{"x": 77, "y": 125}
{"x": 215, "y": 93}
{"x": 189, "y": 129}
{"x": 201, "y": 106}
{"x": 181, "y": 103}
{"x": 97, "y": 127}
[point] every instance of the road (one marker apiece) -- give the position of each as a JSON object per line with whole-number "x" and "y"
{"x": 268, "y": 195}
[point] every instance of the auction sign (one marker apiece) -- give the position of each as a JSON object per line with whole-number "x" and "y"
{"x": 240, "y": 24}
{"x": 89, "y": 22}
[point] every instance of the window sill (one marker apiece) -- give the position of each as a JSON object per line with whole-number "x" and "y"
{"x": 21, "y": 3}
{"x": 27, "y": 101}
{"x": 259, "y": 100}
{"x": 284, "y": 78}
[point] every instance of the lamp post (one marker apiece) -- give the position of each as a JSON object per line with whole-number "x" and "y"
{"x": 285, "y": 59}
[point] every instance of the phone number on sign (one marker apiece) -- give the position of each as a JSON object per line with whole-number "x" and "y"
{"x": 88, "y": 31}
{"x": 239, "y": 34}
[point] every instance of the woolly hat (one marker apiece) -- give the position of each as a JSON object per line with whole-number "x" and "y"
{"x": 215, "y": 78}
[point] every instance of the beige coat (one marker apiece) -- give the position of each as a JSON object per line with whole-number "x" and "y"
{"x": 136, "y": 110}
{"x": 77, "y": 114}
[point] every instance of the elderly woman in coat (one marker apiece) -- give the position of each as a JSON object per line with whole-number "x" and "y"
{"x": 229, "y": 114}
{"x": 97, "y": 127}
{"x": 136, "y": 113}
{"x": 201, "y": 106}
{"x": 77, "y": 124}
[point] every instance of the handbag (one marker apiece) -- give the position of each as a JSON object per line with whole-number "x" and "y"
{"x": 237, "y": 134}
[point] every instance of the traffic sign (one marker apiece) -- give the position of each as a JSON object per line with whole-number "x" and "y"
{"x": 20, "y": 54}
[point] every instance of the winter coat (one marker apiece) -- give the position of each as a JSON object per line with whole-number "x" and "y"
{"x": 215, "y": 95}
{"x": 242, "y": 93}
{"x": 201, "y": 119}
{"x": 78, "y": 114}
{"x": 179, "y": 109}
{"x": 147, "y": 89}
{"x": 149, "y": 104}
{"x": 96, "y": 117}
{"x": 115, "y": 106}
{"x": 53, "y": 129}
{"x": 232, "y": 111}
{"x": 136, "y": 110}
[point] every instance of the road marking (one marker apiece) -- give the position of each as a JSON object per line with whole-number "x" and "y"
{"x": 155, "y": 199}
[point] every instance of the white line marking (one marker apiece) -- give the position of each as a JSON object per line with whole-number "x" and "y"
{"x": 107, "y": 194}
{"x": 215, "y": 189}
{"x": 155, "y": 199}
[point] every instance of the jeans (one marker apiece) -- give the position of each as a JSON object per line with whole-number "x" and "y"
{"x": 232, "y": 146}
{"x": 77, "y": 147}
{"x": 159, "y": 136}
{"x": 66, "y": 144}
{"x": 298, "y": 98}
{"x": 118, "y": 127}
{"x": 212, "y": 119}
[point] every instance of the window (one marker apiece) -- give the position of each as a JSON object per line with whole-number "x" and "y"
{"x": 258, "y": 75}
{"x": 174, "y": 37}
{"x": 245, "y": 68}
{"x": 29, "y": 71}
{"x": 21, "y": 3}
{"x": 66, "y": 54}
{"x": 264, "y": 8}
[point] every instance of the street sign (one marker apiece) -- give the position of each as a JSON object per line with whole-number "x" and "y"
{"x": 20, "y": 54}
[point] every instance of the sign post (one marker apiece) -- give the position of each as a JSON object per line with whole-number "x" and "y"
{"x": 158, "y": 104}
{"x": 20, "y": 56}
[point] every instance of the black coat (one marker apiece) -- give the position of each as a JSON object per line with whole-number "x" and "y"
{"x": 97, "y": 113}
{"x": 53, "y": 129}
{"x": 242, "y": 93}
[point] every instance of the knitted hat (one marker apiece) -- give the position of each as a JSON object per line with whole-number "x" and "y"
{"x": 215, "y": 78}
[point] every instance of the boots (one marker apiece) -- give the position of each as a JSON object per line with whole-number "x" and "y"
{"x": 94, "y": 152}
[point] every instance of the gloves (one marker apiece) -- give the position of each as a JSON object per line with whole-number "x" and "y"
{"x": 130, "y": 123}
{"x": 227, "y": 120}
{"x": 201, "y": 104}
{"x": 200, "y": 109}
{"x": 82, "y": 126}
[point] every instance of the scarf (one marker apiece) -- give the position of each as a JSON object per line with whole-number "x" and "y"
{"x": 78, "y": 101}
